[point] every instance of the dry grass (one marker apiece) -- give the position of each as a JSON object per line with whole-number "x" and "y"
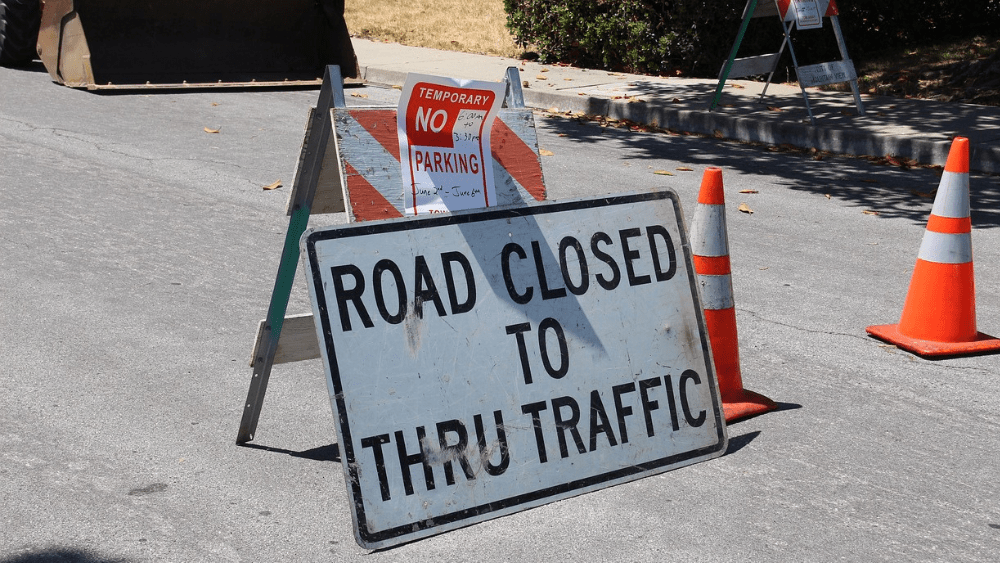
{"x": 476, "y": 26}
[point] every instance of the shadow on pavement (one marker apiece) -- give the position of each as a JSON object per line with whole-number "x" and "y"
{"x": 737, "y": 443}
{"x": 61, "y": 555}
{"x": 329, "y": 452}
{"x": 889, "y": 191}
{"x": 787, "y": 406}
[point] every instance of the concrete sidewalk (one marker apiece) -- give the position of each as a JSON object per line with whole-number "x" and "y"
{"x": 916, "y": 129}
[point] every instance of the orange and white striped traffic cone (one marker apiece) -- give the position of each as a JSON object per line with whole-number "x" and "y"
{"x": 939, "y": 315}
{"x": 710, "y": 248}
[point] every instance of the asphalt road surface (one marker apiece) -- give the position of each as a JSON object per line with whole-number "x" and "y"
{"x": 138, "y": 255}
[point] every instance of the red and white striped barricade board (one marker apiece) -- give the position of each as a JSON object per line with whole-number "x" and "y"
{"x": 369, "y": 159}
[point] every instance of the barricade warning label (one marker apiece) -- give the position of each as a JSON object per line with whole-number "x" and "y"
{"x": 486, "y": 362}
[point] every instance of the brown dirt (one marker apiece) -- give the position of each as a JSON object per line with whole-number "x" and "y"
{"x": 961, "y": 70}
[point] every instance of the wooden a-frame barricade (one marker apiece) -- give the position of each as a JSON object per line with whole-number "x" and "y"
{"x": 350, "y": 163}
{"x": 811, "y": 75}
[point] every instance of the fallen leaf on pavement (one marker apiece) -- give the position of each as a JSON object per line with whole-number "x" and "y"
{"x": 923, "y": 194}
{"x": 356, "y": 95}
{"x": 685, "y": 169}
{"x": 894, "y": 160}
{"x": 544, "y": 152}
{"x": 207, "y": 130}
{"x": 745, "y": 208}
{"x": 827, "y": 196}
{"x": 870, "y": 212}
{"x": 663, "y": 172}
{"x": 541, "y": 77}
{"x": 749, "y": 192}
{"x": 774, "y": 108}
{"x": 273, "y": 186}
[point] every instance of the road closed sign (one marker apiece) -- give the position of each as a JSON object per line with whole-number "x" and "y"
{"x": 485, "y": 362}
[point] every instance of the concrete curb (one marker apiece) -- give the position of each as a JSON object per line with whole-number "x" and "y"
{"x": 854, "y": 142}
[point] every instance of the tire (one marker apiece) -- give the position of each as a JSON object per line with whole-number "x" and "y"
{"x": 19, "y": 21}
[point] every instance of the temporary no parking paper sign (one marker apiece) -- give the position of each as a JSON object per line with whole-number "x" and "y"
{"x": 485, "y": 362}
{"x": 444, "y": 140}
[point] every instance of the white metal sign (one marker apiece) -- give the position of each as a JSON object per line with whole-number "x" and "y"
{"x": 807, "y": 14}
{"x": 486, "y": 362}
{"x": 444, "y": 129}
{"x": 826, "y": 73}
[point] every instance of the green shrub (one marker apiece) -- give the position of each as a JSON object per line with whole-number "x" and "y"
{"x": 653, "y": 36}
{"x": 694, "y": 37}
{"x": 893, "y": 23}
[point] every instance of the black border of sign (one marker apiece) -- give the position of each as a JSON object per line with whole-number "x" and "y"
{"x": 379, "y": 539}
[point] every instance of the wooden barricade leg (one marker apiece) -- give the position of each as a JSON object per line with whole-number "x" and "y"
{"x": 304, "y": 188}
{"x": 748, "y": 14}
{"x": 835, "y": 22}
{"x": 795, "y": 63}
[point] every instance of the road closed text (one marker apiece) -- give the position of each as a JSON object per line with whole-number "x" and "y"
{"x": 602, "y": 262}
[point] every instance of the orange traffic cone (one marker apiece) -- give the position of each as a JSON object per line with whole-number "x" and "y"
{"x": 710, "y": 247}
{"x": 939, "y": 315}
